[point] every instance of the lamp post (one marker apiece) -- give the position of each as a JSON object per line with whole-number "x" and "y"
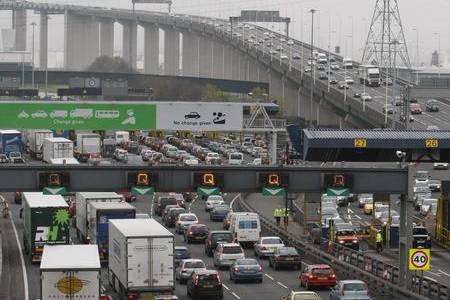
{"x": 32, "y": 55}
{"x": 438, "y": 34}
{"x": 417, "y": 54}
{"x": 312, "y": 11}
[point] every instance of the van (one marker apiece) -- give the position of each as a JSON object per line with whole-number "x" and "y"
{"x": 236, "y": 158}
{"x": 245, "y": 227}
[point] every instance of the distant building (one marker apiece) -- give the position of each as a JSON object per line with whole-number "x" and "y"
{"x": 435, "y": 59}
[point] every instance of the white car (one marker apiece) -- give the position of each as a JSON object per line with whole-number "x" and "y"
{"x": 349, "y": 80}
{"x": 380, "y": 209}
{"x": 212, "y": 201}
{"x": 227, "y": 253}
{"x": 266, "y": 245}
{"x": 284, "y": 57}
{"x": 366, "y": 97}
{"x": 184, "y": 220}
{"x": 212, "y": 158}
{"x": 290, "y": 42}
{"x": 187, "y": 267}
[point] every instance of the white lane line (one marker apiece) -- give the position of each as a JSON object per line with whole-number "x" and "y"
{"x": 192, "y": 202}
{"x": 234, "y": 199}
{"x": 270, "y": 277}
{"x": 227, "y": 288}
{"x": 445, "y": 273}
{"x": 234, "y": 294}
{"x": 358, "y": 217}
{"x": 24, "y": 270}
{"x": 350, "y": 211}
{"x": 434, "y": 273}
{"x": 279, "y": 283}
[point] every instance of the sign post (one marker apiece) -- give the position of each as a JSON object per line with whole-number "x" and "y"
{"x": 419, "y": 259}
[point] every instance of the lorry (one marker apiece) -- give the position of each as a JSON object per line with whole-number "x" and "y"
{"x": 10, "y": 141}
{"x": 369, "y": 75}
{"x": 35, "y": 141}
{"x": 46, "y": 220}
{"x": 122, "y": 137}
{"x": 74, "y": 278}
{"x": 347, "y": 63}
{"x": 99, "y": 214}
{"x": 58, "y": 151}
{"x": 88, "y": 145}
{"x": 82, "y": 199}
{"x": 141, "y": 258}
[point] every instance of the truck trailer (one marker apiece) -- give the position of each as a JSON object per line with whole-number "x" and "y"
{"x": 70, "y": 272}
{"x": 35, "y": 141}
{"x": 141, "y": 258}
{"x": 10, "y": 141}
{"x": 87, "y": 145}
{"x": 58, "y": 151}
{"x": 46, "y": 220}
{"x": 99, "y": 214}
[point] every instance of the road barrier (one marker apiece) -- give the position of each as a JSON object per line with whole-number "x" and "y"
{"x": 381, "y": 277}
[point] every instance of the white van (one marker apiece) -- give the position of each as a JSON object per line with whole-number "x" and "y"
{"x": 236, "y": 158}
{"x": 245, "y": 227}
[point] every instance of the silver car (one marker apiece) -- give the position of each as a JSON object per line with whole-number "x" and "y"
{"x": 267, "y": 245}
{"x": 187, "y": 267}
{"x": 183, "y": 222}
{"x": 227, "y": 253}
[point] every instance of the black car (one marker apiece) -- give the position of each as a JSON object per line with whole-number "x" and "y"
{"x": 421, "y": 238}
{"x": 357, "y": 95}
{"x": 192, "y": 115}
{"x": 285, "y": 257}
{"x": 214, "y": 237}
{"x": 432, "y": 105}
{"x": 205, "y": 283}
{"x": 181, "y": 252}
{"x": 162, "y": 203}
{"x": 219, "y": 212}
{"x": 196, "y": 233}
{"x": 171, "y": 217}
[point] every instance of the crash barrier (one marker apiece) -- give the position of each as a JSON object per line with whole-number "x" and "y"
{"x": 381, "y": 277}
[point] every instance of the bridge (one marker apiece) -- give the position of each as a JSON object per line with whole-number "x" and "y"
{"x": 213, "y": 48}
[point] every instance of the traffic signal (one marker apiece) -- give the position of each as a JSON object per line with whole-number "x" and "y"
{"x": 338, "y": 180}
{"x": 273, "y": 179}
{"x": 141, "y": 178}
{"x": 55, "y": 179}
{"x": 211, "y": 179}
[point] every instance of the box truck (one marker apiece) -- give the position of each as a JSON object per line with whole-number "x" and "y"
{"x": 141, "y": 258}
{"x": 35, "y": 141}
{"x": 46, "y": 220}
{"x": 10, "y": 141}
{"x": 82, "y": 199}
{"x": 99, "y": 214}
{"x": 70, "y": 272}
{"x": 58, "y": 151}
{"x": 87, "y": 145}
{"x": 369, "y": 75}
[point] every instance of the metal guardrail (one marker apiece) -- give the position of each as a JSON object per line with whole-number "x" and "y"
{"x": 262, "y": 123}
{"x": 443, "y": 237}
{"x": 381, "y": 277}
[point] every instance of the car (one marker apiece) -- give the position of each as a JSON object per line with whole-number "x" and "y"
{"x": 226, "y": 254}
{"x": 366, "y": 97}
{"x": 167, "y": 208}
{"x": 317, "y": 276}
{"x": 334, "y": 66}
{"x": 440, "y": 166}
{"x": 284, "y": 57}
{"x": 343, "y": 85}
{"x": 205, "y": 283}
{"x": 285, "y": 257}
{"x": 429, "y": 205}
{"x": 380, "y": 208}
{"x": 120, "y": 155}
{"x": 214, "y": 238}
{"x": 307, "y": 69}
{"x": 350, "y": 289}
{"x": 415, "y": 109}
{"x": 301, "y": 295}
{"x": 432, "y": 128}
{"x": 266, "y": 245}
{"x": 16, "y": 158}
{"x": 219, "y": 212}
{"x": 421, "y": 237}
{"x": 227, "y": 220}
{"x": 180, "y": 253}
{"x": 434, "y": 185}
{"x": 296, "y": 57}
{"x": 213, "y": 158}
{"x": 212, "y": 201}
{"x": 387, "y": 81}
{"x": 320, "y": 67}
{"x": 187, "y": 267}
{"x": 196, "y": 232}
{"x": 323, "y": 76}
{"x": 184, "y": 220}
{"x": 363, "y": 199}
{"x": 345, "y": 235}
{"x": 290, "y": 42}
{"x": 333, "y": 80}
{"x": 161, "y": 204}
{"x": 4, "y": 159}
{"x": 368, "y": 208}
{"x": 389, "y": 109}
{"x": 172, "y": 215}
{"x": 349, "y": 80}
{"x": 432, "y": 105}
{"x": 247, "y": 269}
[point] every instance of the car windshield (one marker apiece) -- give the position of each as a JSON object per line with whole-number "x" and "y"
{"x": 207, "y": 278}
{"x": 223, "y": 236}
{"x": 271, "y": 241}
{"x": 188, "y": 218}
{"x": 215, "y": 198}
{"x": 194, "y": 265}
{"x": 199, "y": 229}
{"x": 181, "y": 251}
{"x": 322, "y": 271}
{"x": 345, "y": 232}
{"x": 420, "y": 231}
{"x": 355, "y": 287}
{"x": 176, "y": 211}
{"x": 232, "y": 250}
{"x": 246, "y": 262}
{"x": 288, "y": 251}
{"x": 168, "y": 201}
{"x": 221, "y": 208}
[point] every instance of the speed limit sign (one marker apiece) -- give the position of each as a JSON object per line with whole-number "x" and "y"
{"x": 419, "y": 259}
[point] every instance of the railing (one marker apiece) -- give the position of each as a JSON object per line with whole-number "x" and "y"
{"x": 443, "y": 237}
{"x": 264, "y": 123}
{"x": 381, "y": 277}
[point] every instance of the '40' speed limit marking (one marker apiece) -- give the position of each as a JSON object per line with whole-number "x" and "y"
{"x": 419, "y": 259}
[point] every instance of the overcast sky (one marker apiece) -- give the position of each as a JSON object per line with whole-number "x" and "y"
{"x": 429, "y": 16}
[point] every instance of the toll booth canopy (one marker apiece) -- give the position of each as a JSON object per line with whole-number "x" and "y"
{"x": 375, "y": 145}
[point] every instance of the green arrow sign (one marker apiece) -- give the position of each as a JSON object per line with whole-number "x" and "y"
{"x": 338, "y": 192}
{"x": 273, "y": 191}
{"x": 139, "y": 191}
{"x": 203, "y": 191}
{"x": 54, "y": 191}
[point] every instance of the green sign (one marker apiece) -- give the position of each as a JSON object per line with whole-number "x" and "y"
{"x": 54, "y": 191}
{"x": 139, "y": 191}
{"x": 344, "y": 192}
{"x": 78, "y": 116}
{"x": 273, "y": 191}
{"x": 203, "y": 191}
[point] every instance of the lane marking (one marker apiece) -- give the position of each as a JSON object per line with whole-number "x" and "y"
{"x": 270, "y": 277}
{"x": 234, "y": 294}
{"x": 192, "y": 202}
{"x": 279, "y": 283}
{"x": 22, "y": 261}
{"x": 358, "y": 217}
{"x": 350, "y": 211}
{"x": 227, "y": 288}
{"x": 445, "y": 273}
{"x": 434, "y": 273}
{"x": 234, "y": 199}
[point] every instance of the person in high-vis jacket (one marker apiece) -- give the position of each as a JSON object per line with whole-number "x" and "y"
{"x": 277, "y": 216}
{"x": 379, "y": 242}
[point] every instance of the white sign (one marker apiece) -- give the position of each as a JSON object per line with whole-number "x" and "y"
{"x": 194, "y": 116}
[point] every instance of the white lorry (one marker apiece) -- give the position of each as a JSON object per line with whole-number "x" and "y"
{"x": 122, "y": 137}
{"x": 347, "y": 63}
{"x": 369, "y": 75}
{"x": 141, "y": 258}
{"x": 70, "y": 272}
{"x": 82, "y": 200}
{"x": 88, "y": 145}
{"x": 35, "y": 141}
{"x": 58, "y": 151}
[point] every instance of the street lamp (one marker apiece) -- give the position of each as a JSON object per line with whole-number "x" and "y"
{"x": 439, "y": 53}
{"x": 417, "y": 54}
{"x": 32, "y": 55}
{"x": 312, "y": 11}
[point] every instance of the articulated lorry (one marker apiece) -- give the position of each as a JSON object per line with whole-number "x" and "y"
{"x": 88, "y": 145}
{"x": 35, "y": 141}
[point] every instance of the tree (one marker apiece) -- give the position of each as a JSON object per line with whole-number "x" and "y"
{"x": 110, "y": 65}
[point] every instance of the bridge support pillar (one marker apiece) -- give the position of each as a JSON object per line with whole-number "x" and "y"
{"x": 244, "y": 68}
{"x": 43, "y": 41}
{"x": 253, "y": 70}
{"x": 228, "y": 62}
{"x": 171, "y": 52}
{"x": 206, "y": 57}
{"x": 129, "y": 43}
{"x": 107, "y": 38}
{"x": 19, "y": 24}
{"x": 190, "y": 54}
{"x": 235, "y": 64}
{"x": 151, "y": 49}
{"x": 218, "y": 60}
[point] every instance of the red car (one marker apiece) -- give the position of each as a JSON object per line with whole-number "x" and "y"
{"x": 317, "y": 276}
{"x": 415, "y": 109}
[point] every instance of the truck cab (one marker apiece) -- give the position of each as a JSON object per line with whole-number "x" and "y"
{"x": 421, "y": 237}
{"x": 345, "y": 235}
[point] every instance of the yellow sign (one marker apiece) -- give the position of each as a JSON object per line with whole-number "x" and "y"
{"x": 70, "y": 285}
{"x": 360, "y": 143}
{"x": 419, "y": 259}
{"x": 431, "y": 143}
